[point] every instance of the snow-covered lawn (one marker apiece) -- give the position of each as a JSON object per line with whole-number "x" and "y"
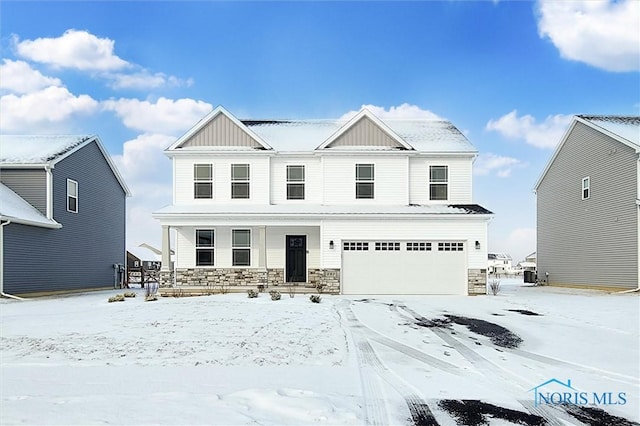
{"x": 227, "y": 359}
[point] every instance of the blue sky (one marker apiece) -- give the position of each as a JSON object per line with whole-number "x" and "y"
{"x": 509, "y": 74}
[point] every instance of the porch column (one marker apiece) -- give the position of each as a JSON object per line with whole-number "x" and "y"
{"x": 262, "y": 255}
{"x": 166, "y": 250}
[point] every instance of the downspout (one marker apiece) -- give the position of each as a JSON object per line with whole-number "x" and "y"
{"x": 637, "y": 289}
{"x": 2, "y": 293}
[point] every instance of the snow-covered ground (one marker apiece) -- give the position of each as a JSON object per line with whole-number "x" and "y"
{"x": 227, "y": 359}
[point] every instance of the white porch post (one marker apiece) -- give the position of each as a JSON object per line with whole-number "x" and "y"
{"x": 262, "y": 256}
{"x": 166, "y": 250}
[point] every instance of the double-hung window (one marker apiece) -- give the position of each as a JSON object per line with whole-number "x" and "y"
{"x": 438, "y": 182}
{"x": 203, "y": 181}
{"x": 295, "y": 182}
{"x": 205, "y": 246}
{"x": 241, "y": 247}
{"x": 364, "y": 180}
{"x": 586, "y": 188}
{"x": 239, "y": 181}
{"x": 72, "y": 196}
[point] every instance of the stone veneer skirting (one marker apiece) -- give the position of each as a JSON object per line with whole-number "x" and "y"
{"x": 219, "y": 277}
{"x": 477, "y": 281}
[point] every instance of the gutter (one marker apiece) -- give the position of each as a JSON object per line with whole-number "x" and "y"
{"x": 2, "y": 293}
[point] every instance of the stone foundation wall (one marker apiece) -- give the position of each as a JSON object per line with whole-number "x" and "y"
{"x": 477, "y": 282}
{"x": 166, "y": 278}
{"x": 216, "y": 277}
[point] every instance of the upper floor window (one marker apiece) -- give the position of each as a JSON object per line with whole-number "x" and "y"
{"x": 205, "y": 246}
{"x": 586, "y": 188}
{"x": 72, "y": 196}
{"x": 239, "y": 181}
{"x": 241, "y": 247}
{"x": 202, "y": 181}
{"x": 364, "y": 180}
{"x": 295, "y": 182}
{"x": 438, "y": 182}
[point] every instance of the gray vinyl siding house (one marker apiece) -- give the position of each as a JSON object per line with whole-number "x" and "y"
{"x": 62, "y": 250}
{"x": 587, "y": 206}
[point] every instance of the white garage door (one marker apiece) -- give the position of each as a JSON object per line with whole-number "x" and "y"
{"x": 404, "y": 267}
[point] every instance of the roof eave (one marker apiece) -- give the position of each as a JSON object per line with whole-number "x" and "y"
{"x": 21, "y": 221}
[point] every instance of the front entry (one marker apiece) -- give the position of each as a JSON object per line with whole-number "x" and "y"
{"x": 296, "y": 271}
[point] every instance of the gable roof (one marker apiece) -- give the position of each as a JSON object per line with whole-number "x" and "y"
{"x": 209, "y": 120}
{"x": 15, "y": 209}
{"x": 361, "y": 118}
{"x": 28, "y": 151}
{"x": 622, "y": 128}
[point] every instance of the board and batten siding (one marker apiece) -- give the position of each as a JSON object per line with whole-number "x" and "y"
{"x": 81, "y": 254}
{"x": 460, "y": 178}
{"x": 312, "y": 179}
{"x": 365, "y": 133}
{"x": 258, "y": 178}
{"x": 390, "y": 179}
{"x": 30, "y": 184}
{"x": 468, "y": 231}
{"x": 221, "y": 131}
{"x": 592, "y": 242}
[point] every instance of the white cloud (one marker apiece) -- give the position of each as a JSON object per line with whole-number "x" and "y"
{"x": 48, "y": 109}
{"x": 146, "y": 80}
{"x": 500, "y": 165}
{"x": 546, "y": 134}
{"x": 74, "y": 49}
{"x": 165, "y": 116}
{"x": 519, "y": 243}
{"x": 601, "y": 33}
{"x": 19, "y": 77}
{"x": 402, "y": 111}
{"x": 148, "y": 174}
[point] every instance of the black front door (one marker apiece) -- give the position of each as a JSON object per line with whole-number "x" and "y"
{"x": 296, "y": 258}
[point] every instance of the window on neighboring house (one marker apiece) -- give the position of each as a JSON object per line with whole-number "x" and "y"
{"x": 241, "y": 247}
{"x": 438, "y": 182}
{"x": 205, "y": 246}
{"x": 586, "y": 188}
{"x": 295, "y": 182}
{"x": 364, "y": 180}
{"x": 72, "y": 196}
{"x": 239, "y": 181}
{"x": 203, "y": 181}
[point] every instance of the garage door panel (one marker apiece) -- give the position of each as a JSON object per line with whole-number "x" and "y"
{"x": 403, "y": 271}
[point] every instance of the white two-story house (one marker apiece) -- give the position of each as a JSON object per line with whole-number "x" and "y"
{"x": 363, "y": 206}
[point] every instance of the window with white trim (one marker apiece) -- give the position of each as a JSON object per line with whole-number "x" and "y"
{"x": 205, "y": 247}
{"x": 239, "y": 181}
{"x": 365, "y": 180}
{"x": 295, "y": 182}
{"x": 203, "y": 181}
{"x": 438, "y": 182}
{"x": 72, "y": 196}
{"x": 586, "y": 188}
{"x": 241, "y": 247}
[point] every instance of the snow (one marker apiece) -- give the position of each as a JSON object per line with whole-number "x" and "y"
{"x": 16, "y": 209}
{"x": 307, "y": 135}
{"x": 226, "y": 359}
{"x": 626, "y": 127}
{"x": 36, "y": 149}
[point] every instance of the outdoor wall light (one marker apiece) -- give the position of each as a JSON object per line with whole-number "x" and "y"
{"x": 331, "y": 244}
{"x": 477, "y": 245}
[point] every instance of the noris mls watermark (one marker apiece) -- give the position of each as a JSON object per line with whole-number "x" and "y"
{"x": 555, "y": 392}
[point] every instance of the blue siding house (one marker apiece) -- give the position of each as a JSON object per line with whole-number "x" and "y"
{"x": 62, "y": 215}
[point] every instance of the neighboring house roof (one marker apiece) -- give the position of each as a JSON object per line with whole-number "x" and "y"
{"x": 302, "y": 210}
{"x": 527, "y": 264}
{"x": 624, "y": 129}
{"x": 15, "y": 209}
{"x": 22, "y": 151}
{"x": 498, "y": 256}
{"x": 423, "y": 135}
